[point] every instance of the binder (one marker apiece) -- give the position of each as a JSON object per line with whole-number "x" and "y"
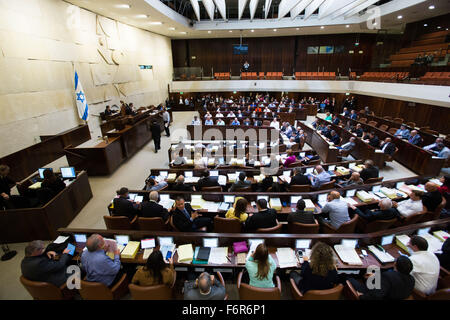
{"x": 342, "y": 170}
{"x": 275, "y": 203}
{"x": 441, "y": 235}
{"x": 131, "y": 250}
{"x": 203, "y": 253}
{"x": 390, "y": 193}
{"x": 171, "y": 177}
{"x": 185, "y": 253}
{"x": 309, "y": 205}
{"x": 364, "y": 196}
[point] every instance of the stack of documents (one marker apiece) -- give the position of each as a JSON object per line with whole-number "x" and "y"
{"x": 131, "y": 250}
{"x": 342, "y": 170}
{"x": 309, "y": 205}
{"x": 259, "y": 178}
{"x": 222, "y": 180}
{"x": 441, "y": 235}
{"x": 171, "y": 177}
{"x": 197, "y": 202}
{"x": 218, "y": 256}
{"x": 275, "y": 203}
{"x": 350, "y": 201}
{"x": 211, "y": 206}
{"x": 364, "y": 196}
{"x": 286, "y": 258}
{"x": 231, "y": 177}
{"x": 348, "y": 255}
{"x": 167, "y": 204}
{"x": 382, "y": 256}
{"x": 358, "y": 168}
{"x": 241, "y": 258}
{"x": 402, "y": 241}
{"x": 185, "y": 253}
{"x": 390, "y": 193}
{"x": 434, "y": 244}
{"x": 191, "y": 179}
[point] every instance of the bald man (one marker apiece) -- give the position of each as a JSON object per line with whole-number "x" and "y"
{"x": 152, "y": 209}
{"x": 355, "y": 179}
{"x": 98, "y": 266}
{"x": 336, "y": 209}
{"x": 205, "y": 287}
{"x": 388, "y": 147}
{"x": 415, "y": 138}
{"x": 432, "y": 198}
{"x": 385, "y": 212}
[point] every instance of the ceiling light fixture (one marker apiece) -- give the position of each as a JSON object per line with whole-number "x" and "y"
{"x": 141, "y": 16}
{"x": 171, "y": 28}
{"x": 399, "y": 17}
{"x": 155, "y": 23}
{"x": 347, "y": 26}
{"x": 322, "y": 27}
{"x": 252, "y": 30}
{"x": 123, "y": 6}
{"x": 431, "y": 7}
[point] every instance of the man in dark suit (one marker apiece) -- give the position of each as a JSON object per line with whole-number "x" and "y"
{"x": 388, "y": 147}
{"x": 300, "y": 215}
{"x": 299, "y": 178}
{"x": 38, "y": 266}
{"x": 264, "y": 218}
{"x": 374, "y": 141}
{"x": 370, "y": 170}
{"x": 187, "y": 219}
{"x": 181, "y": 186}
{"x": 358, "y": 130}
{"x": 206, "y": 181}
{"x": 156, "y": 135}
{"x": 123, "y": 206}
{"x": 397, "y": 284}
{"x": 334, "y": 138}
{"x": 240, "y": 182}
{"x": 152, "y": 209}
{"x": 432, "y": 198}
{"x": 385, "y": 212}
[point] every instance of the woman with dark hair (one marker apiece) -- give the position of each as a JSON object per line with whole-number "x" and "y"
{"x": 52, "y": 182}
{"x": 318, "y": 274}
{"x": 444, "y": 256}
{"x": 261, "y": 267}
{"x": 445, "y": 187}
{"x": 155, "y": 271}
{"x": 239, "y": 210}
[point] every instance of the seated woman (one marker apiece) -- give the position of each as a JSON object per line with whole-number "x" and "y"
{"x": 239, "y": 210}
{"x": 261, "y": 267}
{"x": 290, "y": 159}
{"x": 321, "y": 273}
{"x": 199, "y": 161}
{"x": 52, "y": 182}
{"x": 328, "y": 117}
{"x": 155, "y": 271}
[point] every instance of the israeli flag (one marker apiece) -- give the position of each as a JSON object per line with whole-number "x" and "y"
{"x": 82, "y": 106}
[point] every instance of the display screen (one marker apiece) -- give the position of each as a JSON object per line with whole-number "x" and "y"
{"x": 302, "y": 244}
{"x": 148, "y": 243}
{"x": 80, "y": 238}
{"x": 41, "y": 172}
{"x": 211, "y": 242}
{"x": 123, "y": 239}
{"x": 240, "y": 48}
{"x": 68, "y": 172}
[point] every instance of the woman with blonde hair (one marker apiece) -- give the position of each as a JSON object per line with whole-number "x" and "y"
{"x": 238, "y": 211}
{"x": 317, "y": 272}
{"x": 199, "y": 162}
{"x": 261, "y": 267}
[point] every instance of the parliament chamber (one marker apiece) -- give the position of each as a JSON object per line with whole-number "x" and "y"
{"x": 239, "y": 151}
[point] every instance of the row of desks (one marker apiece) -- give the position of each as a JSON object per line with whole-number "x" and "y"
{"x": 326, "y": 151}
{"x": 311, "y": 109}
{"x": 420, "y": 161}
{"x": 252, "y": 133}
{"x": 282, "y": 116}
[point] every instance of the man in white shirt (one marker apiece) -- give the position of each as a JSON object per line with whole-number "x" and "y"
{"x": 219, "y": 115}
{"x": 426, "y": 266}
{"x": 196, "y": 121}
{"x": 411, "y": 206}
{"x": 275, "y": 124}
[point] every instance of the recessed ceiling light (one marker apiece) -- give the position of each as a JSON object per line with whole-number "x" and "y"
{"x": 297, "y": 28}
{"x": 275, "y": 30}
{"x": 209, "y": 31}
{"x": 230, "y": 31}
{"x": 347, "y": 26}
{"x": 171, "y": 28}
{"x": 399, "y": 17}
{"x": 183, "y": 32}
{"x": 431, "y": 7}
{"x": 156, "y": 22}
{"x": 439, "y": 27}
{"x": 123, "y": 6}
{"x": 252, "y": 30}
{"x": 425, "y": 25}
{"x": 141, "y": 16}
{"x": 322, "y": 27}
{"x": 375, "y": 23}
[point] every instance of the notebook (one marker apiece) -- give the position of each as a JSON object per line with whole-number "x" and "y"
{"x": 185, "y": 253}
{"x": 348, "y": 255}
{"x": 286, "y": 258}
{"x": 383, "y": 257}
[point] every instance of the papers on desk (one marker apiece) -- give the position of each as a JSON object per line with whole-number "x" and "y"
{"x": 348, "y": 255}
{"x": 275, "y": 203}
{"x": 60, "y": 239}
{"x": 286, "y": 258}
{"x": 342, "y": 170}
{"x": 185, "y": 253}
{"x": 309, "y": 205}
{"x": 191, "y": 179}
{"x": 241, "y": 258}
{"x": 434, "y": 244}
{"x": 231, "y": 177}
{"x": 197, "y": 201}
{"x": 441, "y": 235}
{"x": 171, "y": 177}
{"x": 218, "y": 256}
{"x": 285, "y": 179}
{"x": 358, "y": 168}
{"x": 436, "y": 181}
{"x": 390, "y": 193}
{"x": 222, "y": 180}
{"x": 350, "y": 201}
{"x": 364, "y": 196}
{"x": 167, "y": 204}
{"x": 211, "y": 206}
{"x": 130, "y": 250}
{"x": 402, "y": 241}
{"x": 383, "y": 257}
{"x": 224, "y": 206}
{"x": 36, "y": 185}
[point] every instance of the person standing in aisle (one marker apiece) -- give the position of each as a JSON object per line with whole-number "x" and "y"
{"x": 156, "y": 135}
{"x": 166, "y": 118}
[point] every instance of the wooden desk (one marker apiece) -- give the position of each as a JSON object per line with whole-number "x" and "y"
{"x": 326, "y": 152}
{"x": 203, "y": 132}
{"x": 104, "y": 158}
{"x": 273, "y": 241}
{"x": 23, "y": 225}
{"x": 411, "y": 156}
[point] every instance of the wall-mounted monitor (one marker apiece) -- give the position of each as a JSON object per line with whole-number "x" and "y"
{"x": 240, "y": 48}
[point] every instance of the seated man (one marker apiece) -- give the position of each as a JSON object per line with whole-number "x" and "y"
{"x": 388, "y": 147}
{"x": 415, "y": 138}
{"x": 209, "y": 121}
{"x": 402, "y": 133}
{"x": 300, "y": 215}
{"x": 247, "y": 122}
{"x": 299, "y": 178}
{"x": 38, "y": 266}
{"x": 206, "y": 181}
{"x": 355, "y": 179}
{"x": 152, "y": 185}
{"x": 347, "y": 147}
{"x": 264, "y": 218}
{"x": 336, "y": 120}
{"x": 220, "y": 122}
{"x": 358, "y": 130}
{"x": 240, "y": 182}
{"x": 196, "y": 121}
{"x": 235, "y": 122}
{"x": 275, "y": 124}
{"x": 321, "y": 177}
{"x": 441, "y": 151}
{"x": 345, "y": 112}
{"x": 411, "y": 206}
{"x": 327, "y": 131}
{"x": 98, "y": 266}
{"x": 219, "y": 114}
{"x": 181, "y": 186}
{"x": 426, "y": 266}
{"x": 433, "y": 147}
{"x": 123, "y": 206}
{"x": 373, "y": 140}
{"x": 152, "y": 209}
{"x": 334, "y": 138}
{"x": 386, "y": 212}
{"x": 370, "y": 170}
{"x": 336, "y": 209}
{"x": 187, "y": 219}
{"x": 432, "y": 198}
{"x": 396, "y": 284}
{"x": 205, "y": 287}
{"x": 353, "y": 115}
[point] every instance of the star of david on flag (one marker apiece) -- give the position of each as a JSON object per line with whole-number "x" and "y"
{"x": 82, "y": 106}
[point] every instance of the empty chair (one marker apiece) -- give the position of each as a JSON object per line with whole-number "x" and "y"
{"x": 383, "y": 127}
{"x": 212, "y": 189}
{"x": 119, "y": 223}
{"x": 411, "y": 124}
{"x": 99, "y": 291}
{"x": 372, "y": 123}
{"x": 329, "y": 294}
{"x": 151, "y": 224}
{"x": 275, "y": 229}
{"x": 303, "y": 228}
{"x": 374, "y": 180}
{"x": 399, "y": 120}
{"x": 387, "y": 118}
{"x": 363, "y": 120}
{"x": 248, "y": 292}
{"x": 300, "y": 188}
{"x": 225, "y": 225}
{"x": 42, "y": 290}
{"x": 347, "y": 227}
{"x": 434, "y": 132}
{"x": 378, "y": 225}
{"x": 158, "y": 292}
{"x": 392, "y": 130}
